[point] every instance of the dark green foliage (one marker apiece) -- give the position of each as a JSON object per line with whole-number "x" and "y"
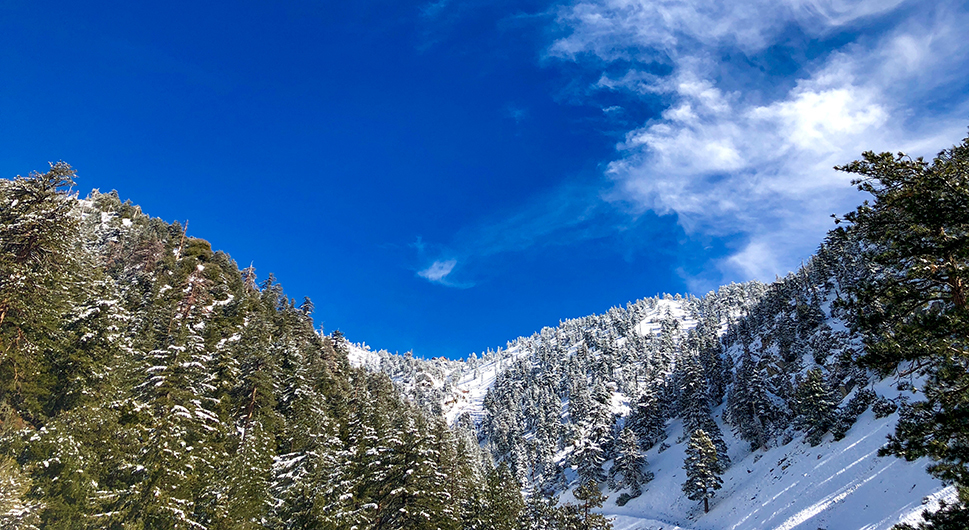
{"x": 846, "y": 417}
{"x": 503, "y": 507}
{"x": 147, "y": 382}
{"x": 647, "y": 420}
{"x": 947, "y": 517}
{"x": 912, "y": 307}
{"x": 590, "y": 497}
{"x": 816, "y": 406}
{"x": 703, "y": 469}
{"x": 542, "y": 513}
{"x": 39, "y": 244}
{"x": 883, "y": 407}
{"x": 749, "y": 406}
{"x": 629, "y": 468}
{"x": 695, "y": 405}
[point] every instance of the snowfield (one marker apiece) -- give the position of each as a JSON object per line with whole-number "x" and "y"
{"x": 839, "y": 485}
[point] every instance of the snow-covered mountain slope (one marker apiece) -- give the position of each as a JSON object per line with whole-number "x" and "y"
{"x": 752, "y": 364}
{"x": 837, "y": 485}
{"x": 456, "y": 389}
{"x": 450, "y": 388}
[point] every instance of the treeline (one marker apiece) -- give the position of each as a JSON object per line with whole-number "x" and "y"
{"x": 147, "y": 382}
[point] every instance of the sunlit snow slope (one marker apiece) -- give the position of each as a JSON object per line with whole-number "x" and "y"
{"x": 834, "y": 485}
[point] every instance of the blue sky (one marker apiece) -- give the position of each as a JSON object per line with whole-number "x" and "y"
{"x": 443, "y": 177}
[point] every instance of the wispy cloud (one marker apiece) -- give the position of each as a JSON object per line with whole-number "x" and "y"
{"x": 741, "y": 150}
{"x": 734, "y": 156}
{"x": 438, "y": 271}
{"x": 518, "y": 114}
{"x": 564, "y": 215}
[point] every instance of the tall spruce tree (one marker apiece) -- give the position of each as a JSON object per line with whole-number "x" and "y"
{"x": 503, "y": 507}
{"x": 648, "y": 418}
{"x": 703, "y": 469}
{"x": 590, "y": 498}
{"x": 749, "y": 405}
{"x": 39, "y": 246}
{"x": 815, "y": 405}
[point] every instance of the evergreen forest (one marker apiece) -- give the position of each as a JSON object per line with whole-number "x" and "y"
{"x": 146, "y": 381}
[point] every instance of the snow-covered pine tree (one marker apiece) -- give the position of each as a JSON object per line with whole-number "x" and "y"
{"x": 703, "y": 469}
{"x": 588, "y": 456}
{"x": 815, "y": 405}
{"x": 749, "y": 407}
{"x": 629, "y": 468}
{"x": 185, "y": 437}
{"x": 695, "y": 404}
{"x": 590, "y": 498}
{"x": 648, "y": 418}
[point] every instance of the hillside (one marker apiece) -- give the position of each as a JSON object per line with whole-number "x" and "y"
{"x": 147, "y": 382}
{"x": 782, "y": 475}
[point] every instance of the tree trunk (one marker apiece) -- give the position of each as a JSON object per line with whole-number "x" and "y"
{"x": 706, "y": 505}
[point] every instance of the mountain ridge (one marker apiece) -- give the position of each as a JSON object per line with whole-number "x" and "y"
{"x": 849, "y": 476}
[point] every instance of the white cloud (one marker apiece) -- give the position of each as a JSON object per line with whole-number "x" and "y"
{"x": 755, "y": 162}
{"x": 438, "y": 271}
{"x": 734, "y": 152}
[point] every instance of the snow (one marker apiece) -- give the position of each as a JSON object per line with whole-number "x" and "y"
{"x": 651, "y": 324}
{"x": 360, "y": 355}
{"x": 836, "y": 485}
{"x": 619, "y": 404}
{"x": 473, "y": 386}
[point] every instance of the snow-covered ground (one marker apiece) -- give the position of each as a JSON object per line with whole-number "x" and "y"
{"x": 839, "y": 485}
{"x": 472, "y": 385}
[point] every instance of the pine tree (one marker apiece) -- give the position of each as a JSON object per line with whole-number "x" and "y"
{"x": 629, "y": 469}
{"x": 542, "y": 513}
{"x": 39, "y": 246}
{"x": 590, "y": 498}
{"x": 703, "y": 469}
{"x": 695, "y": 406}
{"x": 694, "y": 395}
{"x": 749, "y": 407}
{"x": 588, "y": 456}
{"x": 648, "y": 419}
{"x": 912, "y": 307}
{"x": 815, "y": 406}
{"x": 503, "y": 506}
